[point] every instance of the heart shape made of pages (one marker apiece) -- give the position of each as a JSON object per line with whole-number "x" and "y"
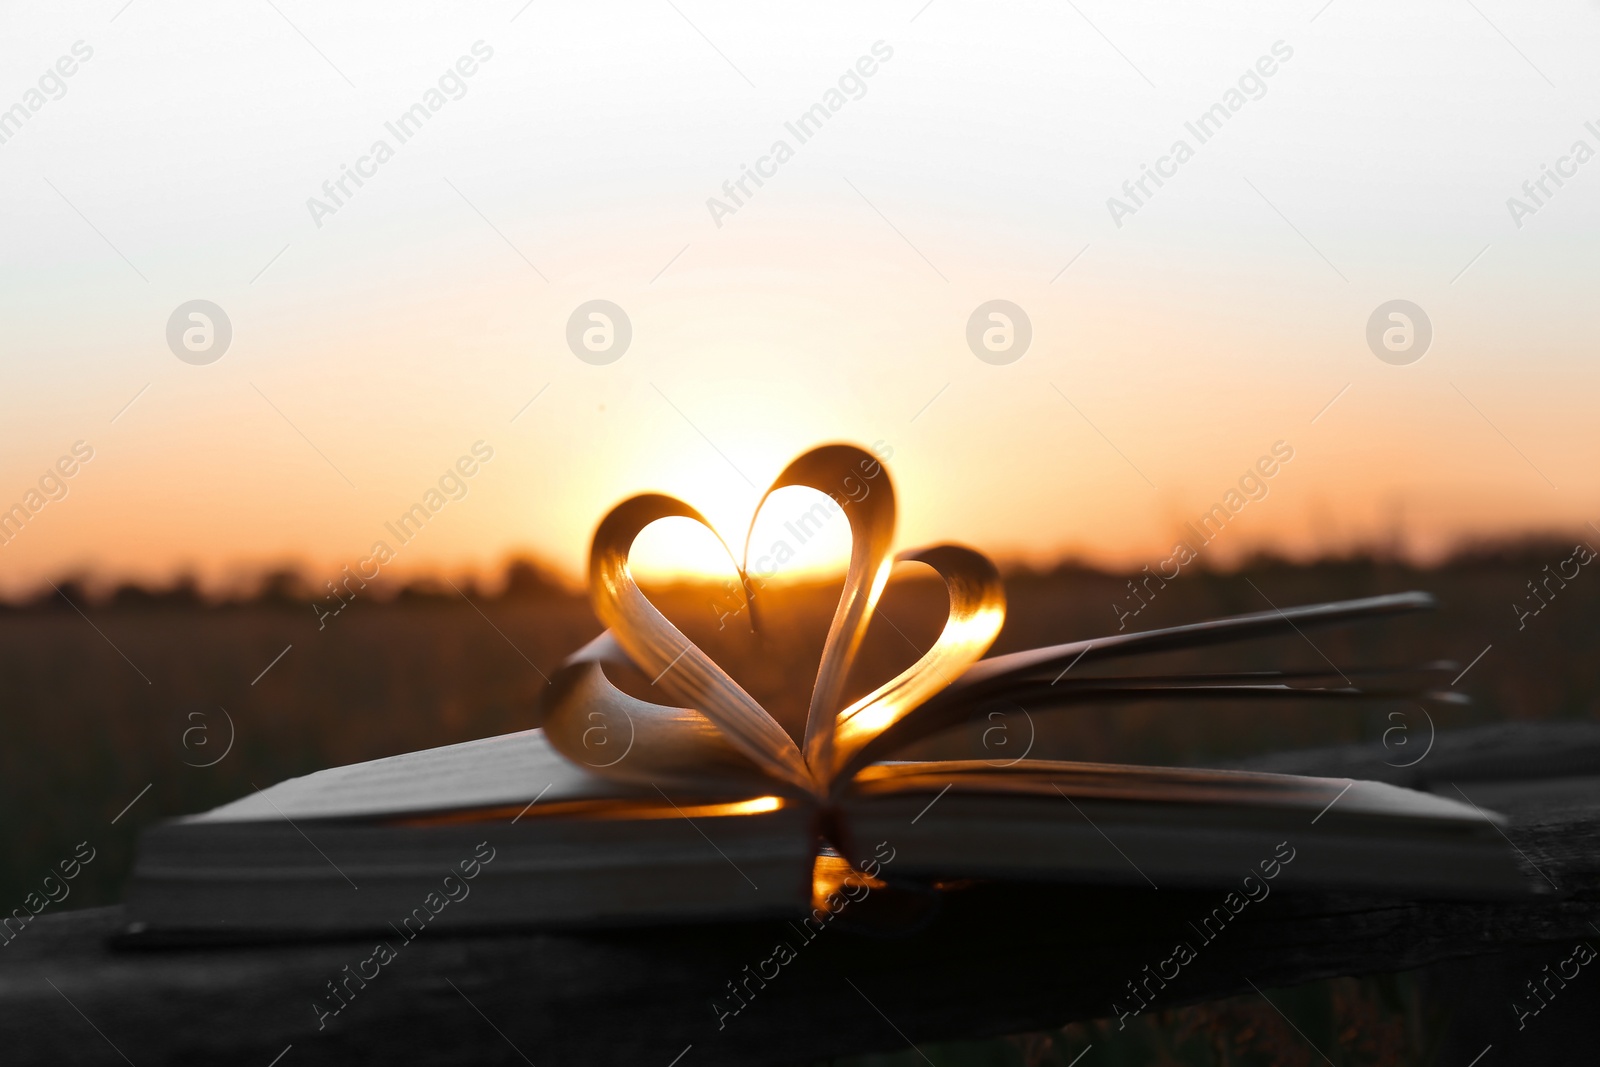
{"x": 715, "y": 735}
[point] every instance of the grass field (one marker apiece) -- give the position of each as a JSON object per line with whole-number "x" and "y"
{"x": 127, "y": 699}
{"x": 137, "y": 691}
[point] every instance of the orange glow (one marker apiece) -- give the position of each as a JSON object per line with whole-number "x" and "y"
{"x": 831, "y": 873}
{"x": 601, "y": 810}
{"x": 203, "y": 473}
{"x": 741, "y": 807}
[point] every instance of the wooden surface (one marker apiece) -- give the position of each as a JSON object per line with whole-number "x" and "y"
{"x": 994, "y": 961}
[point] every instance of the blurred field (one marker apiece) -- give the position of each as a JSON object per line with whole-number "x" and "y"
{"x": 87, "y": 726}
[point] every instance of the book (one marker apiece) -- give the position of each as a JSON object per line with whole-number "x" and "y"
{"x": 618, "y": 809}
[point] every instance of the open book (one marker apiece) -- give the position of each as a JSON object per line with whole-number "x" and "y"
{"x": 619, "y": 809}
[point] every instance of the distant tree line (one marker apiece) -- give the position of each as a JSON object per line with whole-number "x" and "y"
{"x": 521, "y": 578}
{"x": 525, "y": 578}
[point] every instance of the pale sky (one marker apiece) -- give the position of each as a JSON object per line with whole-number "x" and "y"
{"x": 373, "y": 345}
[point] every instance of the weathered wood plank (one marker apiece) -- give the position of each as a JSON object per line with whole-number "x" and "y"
{"x": 996, "y": 960}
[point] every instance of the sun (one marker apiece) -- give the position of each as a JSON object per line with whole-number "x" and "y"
{"x": 799, "y": 534}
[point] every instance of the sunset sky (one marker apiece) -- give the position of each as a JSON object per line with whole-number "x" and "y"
{"x": 376, "y": 339}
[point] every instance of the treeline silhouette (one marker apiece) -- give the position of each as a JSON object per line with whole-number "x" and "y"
{"x": 525, "y": 577}
{"x": 521, "y": 578}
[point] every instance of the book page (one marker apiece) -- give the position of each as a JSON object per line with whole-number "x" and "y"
{"x": 1342, "y": 797}
{"x": 494, "y": 771}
